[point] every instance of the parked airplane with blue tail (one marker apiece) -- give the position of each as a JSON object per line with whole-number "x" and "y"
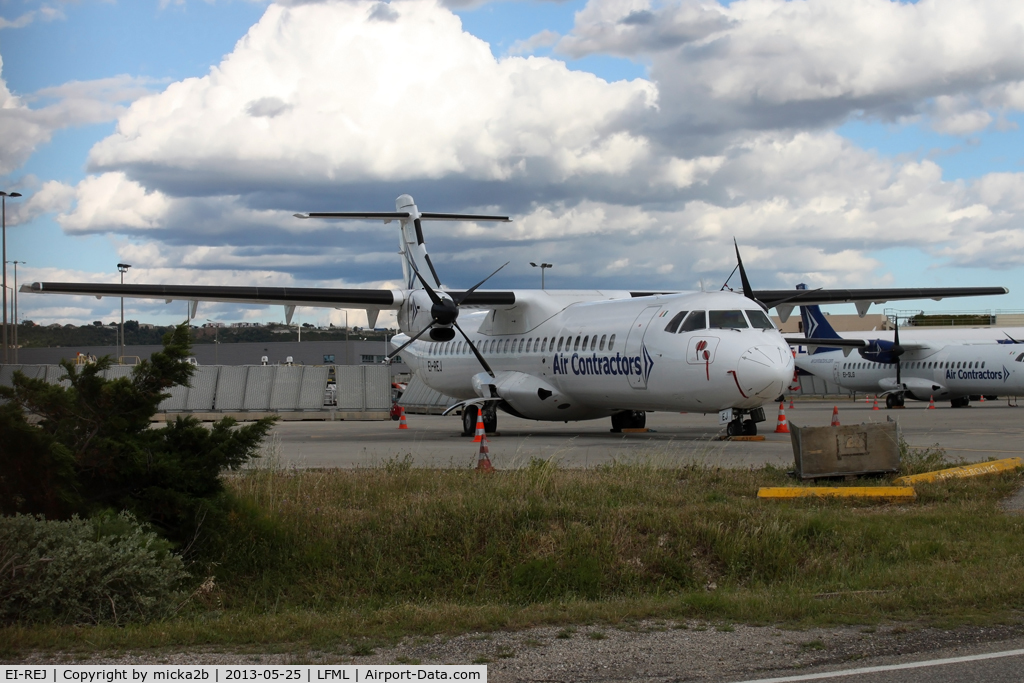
{"x": 919, "y": 368}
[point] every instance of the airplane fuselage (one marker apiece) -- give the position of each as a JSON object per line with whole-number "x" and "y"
{"x": 592, "y": 359}
{"x": 946, "y": 372}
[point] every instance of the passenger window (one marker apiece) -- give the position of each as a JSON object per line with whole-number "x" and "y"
{"x": 695, "y": 321}
{"x": 522, "y": 342}
{"x": 508, "y": 342}
{"x": 560, "y": 343}
{"x": 673, "y": 324}
{"x": 604, "y": 337}
{"x": 529, "y": 344}
{"x": 544, "y": 345}
{"x": 593, "y": 342}
{"x": 611, "y": 342}
{"x": 576, "y": 346}
{"x": 726, "y": 319}
{"x": 759, "y": 320}
{"x": 585, "y": 340}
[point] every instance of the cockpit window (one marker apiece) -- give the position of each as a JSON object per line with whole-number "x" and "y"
{"x": 1020, "y": 358}
{"x": 695, "y": 321}
{"x": 727, "y": 319}
{"x": 673, "y": 324}
{"x": 759, "y": 320}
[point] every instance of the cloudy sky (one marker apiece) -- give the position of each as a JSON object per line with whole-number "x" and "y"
{"x": 843, "y": 144}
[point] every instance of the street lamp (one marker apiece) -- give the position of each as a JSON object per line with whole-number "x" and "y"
{"x": 14, "y": 290}
{"x": 122, "y": 268}
{"x": 216, "y": 343}
{"x": 3, "y": 230}
{"x": 542, "y": 266}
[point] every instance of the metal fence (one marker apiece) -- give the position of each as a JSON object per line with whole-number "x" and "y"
{"x": 253, "y": 388}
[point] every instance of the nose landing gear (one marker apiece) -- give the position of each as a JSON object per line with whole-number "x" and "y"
{"x": 740, "y": 427}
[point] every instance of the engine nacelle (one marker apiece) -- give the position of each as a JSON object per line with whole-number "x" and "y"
{"x": 415, "y": 314}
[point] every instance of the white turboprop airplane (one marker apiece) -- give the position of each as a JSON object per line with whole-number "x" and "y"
{"x": 921, "y": 368}
{"x": 563, "y": 354}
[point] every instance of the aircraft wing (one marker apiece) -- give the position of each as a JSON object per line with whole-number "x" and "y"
{"x": 288, "y": 296}
{"x": 834, "y": 343}
{"x": 806, "y": 297}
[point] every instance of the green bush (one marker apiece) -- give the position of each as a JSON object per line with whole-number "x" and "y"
{"x": 104, "y": 570}
{"x": 93, "y": 448}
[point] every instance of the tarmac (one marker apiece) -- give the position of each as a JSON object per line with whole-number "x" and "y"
{"x": 983, "y": 431}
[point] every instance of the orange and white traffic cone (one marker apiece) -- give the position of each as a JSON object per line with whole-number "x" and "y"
{"x": 483, "y": 458}
{"x": 782, "y": 427}
{"x": 791, "y": 403}
{"x": 480, "y": 433}
{"x": 931, "y": 403}
{"x": 402, "y": 424}
{"x": 982, "y": 399}
{"x": 835, "y": 416}
{"x": 867, "y": 399}
{"x": 876, "y": 404}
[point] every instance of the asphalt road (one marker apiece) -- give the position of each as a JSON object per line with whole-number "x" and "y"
{"x": 983, "y": 431}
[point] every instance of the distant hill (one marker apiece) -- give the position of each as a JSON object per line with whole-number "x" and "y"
{"x": 31, "y": 335}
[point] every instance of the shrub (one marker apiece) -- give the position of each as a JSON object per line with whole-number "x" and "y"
{"x": 104, "y": 570}
{"x": 94, "y": 450}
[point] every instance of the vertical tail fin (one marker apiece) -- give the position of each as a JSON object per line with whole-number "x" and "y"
{"x": 413, "y": 249}
{"x": 816, "y": 325}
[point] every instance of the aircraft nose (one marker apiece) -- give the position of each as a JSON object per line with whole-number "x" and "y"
{"x": 762, "y": 371}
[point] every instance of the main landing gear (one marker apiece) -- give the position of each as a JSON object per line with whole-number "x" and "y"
{"x": 894, "y": 400}
{"x": 490, "y": 415}
{"x": 628, "y": 419}
{"x": 960, "y": 402}
{"x": 740, "y": 427}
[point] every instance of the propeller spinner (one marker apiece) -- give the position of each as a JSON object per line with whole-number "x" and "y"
{"x": 444, "y": 313}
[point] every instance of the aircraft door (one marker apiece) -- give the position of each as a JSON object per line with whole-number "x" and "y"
{"x": 638, "y": 361}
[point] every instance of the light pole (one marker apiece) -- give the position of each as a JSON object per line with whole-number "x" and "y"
{"x": 216, "y": 343}
{"x": 122, "y": 268}
{"x": 542, "y": 267}
{"x": 3, "y": 230}
{"x": 14, "y": 290}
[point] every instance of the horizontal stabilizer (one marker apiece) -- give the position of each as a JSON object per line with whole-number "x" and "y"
{"x": 398, "y": 215}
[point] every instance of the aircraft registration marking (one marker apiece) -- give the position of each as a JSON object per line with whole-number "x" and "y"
{"x": 433, "y": 366}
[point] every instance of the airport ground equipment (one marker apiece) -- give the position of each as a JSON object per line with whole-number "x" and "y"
{"x": 845, "y": 451}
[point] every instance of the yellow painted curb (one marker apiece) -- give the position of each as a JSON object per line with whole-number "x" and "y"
{"x": 975, "y": 470}
{"x": 887, "y": 492}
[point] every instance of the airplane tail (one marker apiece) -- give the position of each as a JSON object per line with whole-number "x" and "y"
{"x": 817, "y": 326}
{"x": 414, "y": 251}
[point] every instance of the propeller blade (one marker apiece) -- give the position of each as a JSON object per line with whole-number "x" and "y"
{"x": 474, "y": 287}
{"x": 1015, "y": 341}
{"x": 897, "y": 351}
{"x": 434, "y": 298}
{"x": 387, "y": 359}
{"x": 747, "y": 290}
{"x": 476, "y": 353}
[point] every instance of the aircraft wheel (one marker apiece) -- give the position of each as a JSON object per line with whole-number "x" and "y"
{"x": 734, "y": 428}
{"x": 469, "y": 420}
{"x": 961, "y": 402}
{"x": 890, "y": 401}
{"x": 490, "y": 419}
{"x": 638, "y": 419}
{"x": 749, "y": 428}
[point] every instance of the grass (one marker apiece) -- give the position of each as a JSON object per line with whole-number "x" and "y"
{"x": 317, "y": 558}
